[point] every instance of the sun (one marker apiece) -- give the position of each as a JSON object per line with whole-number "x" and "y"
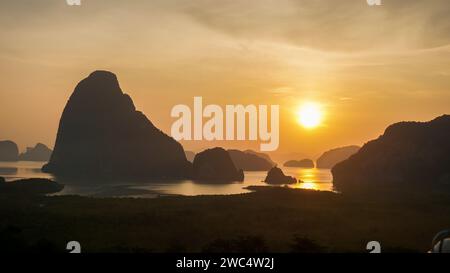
{"x": 309, "y": 115}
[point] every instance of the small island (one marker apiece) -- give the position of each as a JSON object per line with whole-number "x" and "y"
{"x": 216, "y": 165}
{"x": 277, "y": 177}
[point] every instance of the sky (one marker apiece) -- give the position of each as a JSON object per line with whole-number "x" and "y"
{"x": 367, "y": 66}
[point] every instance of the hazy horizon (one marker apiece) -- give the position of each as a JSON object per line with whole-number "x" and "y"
{"x": 367, "y": 66}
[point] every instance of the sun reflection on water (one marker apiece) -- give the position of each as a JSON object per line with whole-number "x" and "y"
{"x": 311, "y": 179}
{"x": 306, "y": 186}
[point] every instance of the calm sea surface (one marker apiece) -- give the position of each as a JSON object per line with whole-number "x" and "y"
{"x": 316, "y": 179}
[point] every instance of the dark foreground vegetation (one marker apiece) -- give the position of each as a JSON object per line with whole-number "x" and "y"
{"x": 269, "y": 219}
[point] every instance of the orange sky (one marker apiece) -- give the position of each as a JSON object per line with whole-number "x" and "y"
{"x": 367, "y": 66}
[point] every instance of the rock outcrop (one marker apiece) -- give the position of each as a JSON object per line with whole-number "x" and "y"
{"x": 330, "y": 158}
{"x": 216, "y": 165}
{"x": 276, "y": 176}
{"x": 249, "y": 161}
{"x": 40, "y": 152}
{"x": 8, "y": 151}
{"x": 102, "y": 135}
{"x": 407, "y": 155}
{"x": 304, "y": 163}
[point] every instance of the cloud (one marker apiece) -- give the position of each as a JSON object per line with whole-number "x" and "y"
{"x": 345, "y": 25}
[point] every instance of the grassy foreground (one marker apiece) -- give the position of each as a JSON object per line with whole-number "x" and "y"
{"x": 270, "y": 219}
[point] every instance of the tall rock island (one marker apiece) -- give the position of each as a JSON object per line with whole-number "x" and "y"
{"x": 408, "y": 155}
{"x": 102, "y": 135}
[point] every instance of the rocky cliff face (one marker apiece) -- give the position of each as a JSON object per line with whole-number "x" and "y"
{"x": 408, "y": 154}
{"x": 249, "y": 161}
{"x": 216, "y": 165}
{"x": 40, "y": 152}
{"x": 102, "y": 135}
{"x": 330, "y": 158}
{"x": 8, "y": 151}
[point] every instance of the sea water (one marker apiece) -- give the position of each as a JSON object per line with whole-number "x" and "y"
{"x": 314, "y": 179}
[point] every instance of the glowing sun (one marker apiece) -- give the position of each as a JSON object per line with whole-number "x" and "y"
{"x": 309, "y": 115}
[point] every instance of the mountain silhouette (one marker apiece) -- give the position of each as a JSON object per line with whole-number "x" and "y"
{"x": 216, "y": 164}
{"x": 249, "y": 161}
{"x": 8, "y": 151}
{"x": 408, "y": 154}
{"x": 102, "y": 135}
{"x": 304, "y": 163}
{"x": 330, "y": 158}
{"x": 263, "y": 155}
{"x": 40, "y": 152}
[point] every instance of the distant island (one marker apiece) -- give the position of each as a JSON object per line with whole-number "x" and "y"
{"x": 249, "y": 161}
{"x": 102, "y": 135}
{"x": 8, "y": 151}
{"x": 407, "y": 155}
{"x": 330, "y": 158}
{"x": 304, "y": 163}
{"x": 263, "y": 155}
{"x": 40, "y": 152}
